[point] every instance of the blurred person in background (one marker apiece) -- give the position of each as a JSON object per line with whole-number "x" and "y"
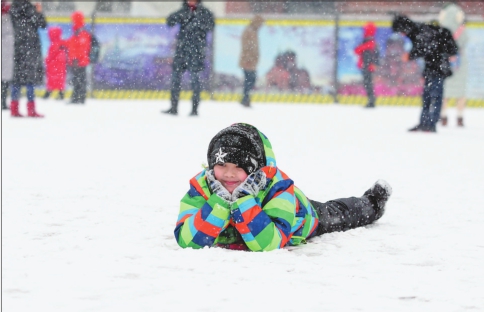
{"x": 368, "y": 60}
{"x": 249, "y": 56}
{"x": 55, "y": 63}
{"x": 195, "y": 22}
{"x": 7, "y": 52}
{"x": 28, "y": 65}
{"x": 78, "y": 47}
{"x": 435, "y": 45}
{"x": 452, "y": 17}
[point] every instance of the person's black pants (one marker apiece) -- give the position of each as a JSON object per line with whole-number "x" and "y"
{"x": 79, "y": 83}
{"x": 345, "y": 213}
{"x": 368, "y": 83}
{"x": 431, "y": 102}
{"x": 249, "y": 82}
{"x": 176, "y": 77}
{"x": 4, "y": 94}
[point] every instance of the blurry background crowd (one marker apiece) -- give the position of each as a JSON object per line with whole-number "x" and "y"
{"x": 306, "y": 49}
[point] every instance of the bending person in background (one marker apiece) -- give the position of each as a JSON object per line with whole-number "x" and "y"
{"x": 368, "y": 60}
{"x": 195, "y": 22}
{"x": 435, "y": 45}
{"x": 28, "y": 64}
{"x": 249, "y": 56}
{"x": 452, "y": 17}
{"x": 78, "y": 45}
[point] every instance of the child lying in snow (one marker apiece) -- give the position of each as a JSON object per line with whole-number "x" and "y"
{"x": 244, "y": 201}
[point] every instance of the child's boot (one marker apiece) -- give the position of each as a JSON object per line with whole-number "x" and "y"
{"x": 14, "y": 109}
{"x": 444, "y": 120}
{"x": 460, "y": 121}
{"x": 378, "y": 194}
{"x": 31, "y": 110}
{"x": 46, "y": 94}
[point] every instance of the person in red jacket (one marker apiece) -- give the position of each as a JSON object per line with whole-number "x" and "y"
{"x": 79, "y": 46}
{"x": 368, "y": 60}
{"x": 55, "y": 63}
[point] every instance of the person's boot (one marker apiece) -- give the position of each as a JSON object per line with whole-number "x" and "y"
{"x": 194, "y": 110}
{"x": 14, "y": 109}
{"x": 370, "y": 105}
{"x": 460, "y": 121}
{"x": 444, "y": 121}
{"x": 245, "y": 102}
{"x": 61, "y": 95}
{"x": 46, "y": 94}
{"x": 416, "y": 128}
{"x": 378, "y": 195}
{"x": 31, "y": 110}
{"x": 171, "y": 111}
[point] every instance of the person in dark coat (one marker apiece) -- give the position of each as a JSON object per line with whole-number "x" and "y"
{"x": 28, "y": 64}
{"x": 368, "y": 60}
{"x": 7, "y": 52}
{"x": 195, "y": 22}
{"x": 435, "y": 45}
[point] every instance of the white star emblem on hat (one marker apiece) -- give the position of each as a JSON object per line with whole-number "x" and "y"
{"x": 220, "y": 156}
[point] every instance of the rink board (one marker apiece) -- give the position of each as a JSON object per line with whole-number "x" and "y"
{"x": 313, "y": 47}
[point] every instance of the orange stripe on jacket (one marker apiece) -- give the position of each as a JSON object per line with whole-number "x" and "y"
{"x": 205, "y": 227}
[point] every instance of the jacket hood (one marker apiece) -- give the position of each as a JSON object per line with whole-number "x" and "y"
{"x": 55, "y": 34}
{"x": 451, "y": 17}
{"x": 77, "y": 20}
{"x": 268, "y": 152}
{"x": 20, "y": 8}
{"x": 369, "y": 30}
{"x": 403, "y": 24}
{"x": 5, "y": 7}
{"x": 185, "y": 3}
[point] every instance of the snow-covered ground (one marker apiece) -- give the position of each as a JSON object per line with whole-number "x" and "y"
{"x": 90, "y": 198}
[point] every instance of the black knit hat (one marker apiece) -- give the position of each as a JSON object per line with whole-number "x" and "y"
{"x": 239, "y": 144}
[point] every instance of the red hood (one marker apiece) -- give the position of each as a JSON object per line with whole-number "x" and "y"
{"x": 55, "y": 34}
{"x": 77, "y": 20}
{"x": 369, "y": 30}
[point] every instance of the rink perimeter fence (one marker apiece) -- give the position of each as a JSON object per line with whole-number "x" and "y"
{"x": 301, "y": 61}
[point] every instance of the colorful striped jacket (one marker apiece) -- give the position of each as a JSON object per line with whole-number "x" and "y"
{"x": 279, "y": 215}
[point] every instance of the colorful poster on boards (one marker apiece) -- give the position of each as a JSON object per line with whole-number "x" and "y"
{"x": 136, "y": 56}
{"x": 293, "y": 59}
{"x": 392, "y": 77}
{"x": 475, "y": 57}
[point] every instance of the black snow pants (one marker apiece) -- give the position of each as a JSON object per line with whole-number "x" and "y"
{"x": 345, "y": 213}
{"x": 79, "y": 82}
{"x": 368, "y": 84}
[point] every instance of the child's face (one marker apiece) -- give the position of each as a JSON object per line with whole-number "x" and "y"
{"x": 229, "y": 175}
